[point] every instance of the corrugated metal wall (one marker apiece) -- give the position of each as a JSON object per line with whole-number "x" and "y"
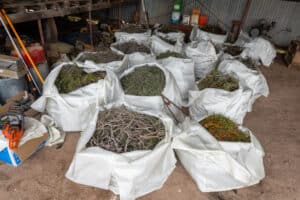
{"x": 286, "y": 14}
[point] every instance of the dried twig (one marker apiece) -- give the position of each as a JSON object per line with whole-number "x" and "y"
{"x": 120, "y": 130}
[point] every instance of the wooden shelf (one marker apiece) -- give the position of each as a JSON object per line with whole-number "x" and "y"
{"x": 33, "y": 10}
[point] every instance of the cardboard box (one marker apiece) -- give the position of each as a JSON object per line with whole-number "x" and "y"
{"x": 23, "y": 152}
{"x": 16, "y": 157}
{"x": 11, "y": 67}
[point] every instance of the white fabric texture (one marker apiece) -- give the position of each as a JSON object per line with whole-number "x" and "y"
{"x": 218, "y": 166}
{"x": 233, "y": 105}
{"x": 70, "y": 110}
{"x": 90, "y": 66}
{"x": 131, "y": 174}
{"x": 183, "y": 72}
{"x": 252, "y": 79}
{"x": 159, "y": 46}
{"x": 260, "y": 49}
{"x": 56, "y": 136}
{"x": 204, "y": 55}
{"x": 155, "y": 104}
{"x": 173, "y": 36}
{"x": 138, "y": 37}
{"x": 136, "y": 58}
{"x": 198, "y": 35}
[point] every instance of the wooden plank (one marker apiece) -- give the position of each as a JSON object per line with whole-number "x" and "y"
{"x": 60, "y": 8}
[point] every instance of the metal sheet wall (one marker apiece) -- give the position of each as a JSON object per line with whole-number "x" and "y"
{"x": 285, "y": 13}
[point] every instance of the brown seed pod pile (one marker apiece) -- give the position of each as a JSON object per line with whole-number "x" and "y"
{"x": 224, "y": 129}
{"x": 132, "y": 47}
{"x": 120, "y": 130}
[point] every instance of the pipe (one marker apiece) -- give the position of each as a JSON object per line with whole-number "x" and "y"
{"x": 39, "y": 22}
{"x": 245, "y": 15}
{"x": 23, "y": 46}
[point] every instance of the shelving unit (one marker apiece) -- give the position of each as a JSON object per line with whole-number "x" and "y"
{"x": 22, "y": 11}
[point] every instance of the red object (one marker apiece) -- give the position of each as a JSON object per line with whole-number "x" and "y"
{"x": 13, "y": 135}
{"x": 36, "y": 52}
{"x": 203, "y": 20}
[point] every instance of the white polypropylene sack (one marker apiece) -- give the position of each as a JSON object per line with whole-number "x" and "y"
{"x": 155, "y": 104}
{"x": 261, "y": 50}
{"x": 197, "y": 35}
{"x": 233, "y": 105}
{"x": 70, "y": 110}
{"x": 173, "y": 36}
{"x": 136, "y": 58}
{"x": 131, "y": 174}
{"x": 219, "y": 166}
{"x": 252, "y": 79}
{"x": 204, "y": 55}
{"x": 159, "y": 46}
{"x": 90, "y": 66}
{"x": 183, "y": 72}
{"x": 138, "y": 37}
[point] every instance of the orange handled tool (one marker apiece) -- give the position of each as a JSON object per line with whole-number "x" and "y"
{"x": 14, "y": 135}
{"x": 22, "y": 46}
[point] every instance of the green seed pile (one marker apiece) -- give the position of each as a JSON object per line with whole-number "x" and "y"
{"x": 169, "y": 54}
{"x": 101, "y": 57}
{"x": 132, "y": 47}
{"x": 72, "y": 77}
{"x": 144, "y": 81}
{"x": 216, "y": 79}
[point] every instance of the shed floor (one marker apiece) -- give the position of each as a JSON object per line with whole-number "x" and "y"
{"x": 275, "y": 121}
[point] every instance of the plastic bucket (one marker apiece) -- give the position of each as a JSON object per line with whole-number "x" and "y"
{"x": 203, "y": 20}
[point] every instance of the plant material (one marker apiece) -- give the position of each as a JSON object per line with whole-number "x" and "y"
{"x": 216, "y": 79}
{"x": 144, "y": 81}
{"x": 214, "y": 29}
{"x": 101, "y": 57}
{"x": 234, "y": 50}
{"x": 120, "y": 130}
{"x": 132, "y": 28}
{"x": 169, "y": 54}
{"x": 169, "y": 41}
{"x": 167, "y": 29}
{"x": 249, "y": 63}
{"x": 224, "y": 129}
{"x": 71, "y": 77}
{"x": 132, "y": 47}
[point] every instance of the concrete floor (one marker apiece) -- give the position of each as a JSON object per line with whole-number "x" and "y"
{"x": 275, "y": 121}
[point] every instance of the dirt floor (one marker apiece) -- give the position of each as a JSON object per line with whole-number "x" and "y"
{"x": 275, "y": 121}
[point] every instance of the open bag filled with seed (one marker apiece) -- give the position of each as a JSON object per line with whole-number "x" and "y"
{"x": 218, "y": 154}
{"x": 221, "y": 91}
{"x": 92, "y": 61}
{"x": 124, "y": 150}
{"x": 132, "y": 32}
{"x": 212, "y": 33}
{"x": 160, "y": 45}
{"x": 205, "y": 56}
{"x": 170, "y": 35}
{"x": 137, "y": 52}
{"x": 251, "y": 78}
{"x": 183, "y": 70}
{"x": 70, "y": 93}
{"x": 144, "y": 87}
